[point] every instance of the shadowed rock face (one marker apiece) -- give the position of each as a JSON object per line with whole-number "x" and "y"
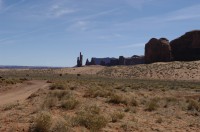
{"x": 157, "y": 50}
{"x": 187, "y": 47}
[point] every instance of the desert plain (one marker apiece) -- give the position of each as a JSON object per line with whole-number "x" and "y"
{"x": 148, "y": 97}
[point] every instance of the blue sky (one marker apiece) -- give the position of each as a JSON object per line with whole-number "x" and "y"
{"x": 53, "y": 32}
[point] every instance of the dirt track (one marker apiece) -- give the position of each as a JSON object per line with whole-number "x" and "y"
{"x": 20, "y": 92}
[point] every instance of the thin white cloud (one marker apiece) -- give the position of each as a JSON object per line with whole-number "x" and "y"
{"x": 103, "y": 13}
{"x": 1, "y": 4}
{"x": 58, "y": 11}
{"x": 85, "y": 22}
{"x": 187, "y": 13}
{"x": 79, "y": 26}
{"x": 6, "y": 8}
{"x": 136, "y": 45}
{"x": 138, "y": 4}
{"x": 112, "y": 36}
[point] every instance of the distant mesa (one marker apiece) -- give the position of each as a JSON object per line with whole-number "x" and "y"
{"x": 116, "y": 61}
{"x": 184, "y": 48}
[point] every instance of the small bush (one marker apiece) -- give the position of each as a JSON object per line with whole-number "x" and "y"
{"x": 60, "y": 125}
{"x": 60, "y": 94}
{"x": 78, "y": 75}
{"x": 152, "y": 105}
{"x": 69, "y": 104}
{"x": 159, "y": 120}
{"x": 49, "y": 81}
{"x": 133, "y": 102}
{"x": 42, "y": 122}
{"x": 118, "y": 99}
{"x": 193, "y": 105}
{"x": 50, "y": 102}
{"x": 10, "y": 106}
{"x": 97, "y": 92}
{"x": 117, "y": 116}
{"x": 57, "y": 86}
{"x": 92, "y": 109}
{"x": 90, "y": 118}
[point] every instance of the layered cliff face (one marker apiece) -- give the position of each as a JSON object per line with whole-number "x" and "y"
{"x": 187, "y": 47}
{"x": 157, "y": 50}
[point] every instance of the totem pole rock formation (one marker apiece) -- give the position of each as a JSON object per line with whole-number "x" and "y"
{"x": 80, "y": 60}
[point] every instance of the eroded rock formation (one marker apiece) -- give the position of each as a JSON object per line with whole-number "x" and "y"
{"x": 80, "y": 60}
{"x": 186, "y": 47}
{"x": 157, "y": 50}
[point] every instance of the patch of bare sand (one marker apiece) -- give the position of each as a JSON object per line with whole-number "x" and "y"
{"x": 165, "y": 71}
{"x": 90, "y": 70}
{"x": 20, "y": 92}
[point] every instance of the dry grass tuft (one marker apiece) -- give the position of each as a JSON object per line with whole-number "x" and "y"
{"x": 42, "y": 123}
{"x": 152, "y": 105}
{"x": 193, "y": 105}
{"x": 117, "y": 116}
{"x": 69, "y": 104}
{"x": 90, "y": 118}
{"x": 118, "y": 99}
{"x": 57, "y": 86}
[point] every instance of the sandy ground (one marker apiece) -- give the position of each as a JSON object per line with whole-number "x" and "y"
{"x": 189, "y": 71}
{"x": 21, "y": 103}
{"x": 81, "y": 70}
{"x": 164, "y": 71}
{"x": 20, "y": 92}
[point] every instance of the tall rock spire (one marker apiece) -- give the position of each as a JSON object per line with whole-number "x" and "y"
{"x": 80, "y": 60}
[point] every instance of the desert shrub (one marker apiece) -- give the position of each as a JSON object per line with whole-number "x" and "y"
{"x": 69, "y": 104}
{"x": 42, "y": 123}
{"x": 60, "y": 94}
{"x": 159, "y": 120}
{"x": 10, "y": 106}
{"x": 152, "y": 105}
{"x": 133, "y": 102}
{"x": 23, "y": 79}
{"x": 49, "y": 81}
{"x": 117, "y": 116}
{"x": 60, "y": 125}
{"x": 94, "y": 109}
{"x": 118, "y": 99}
{"x": 73, "y": 87}
{"x": 193, "y": 105}
{"x": 97, "y": 92}
{"x": 78, "y": 75}
{"x": 171, "y": 99}
{"x": 90, "y": 118}
{"x": 49, "y": 102}
{"x": 130, "y": 109}
{"x": 9, "y": 81}
{"x": 57, "y": 86}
